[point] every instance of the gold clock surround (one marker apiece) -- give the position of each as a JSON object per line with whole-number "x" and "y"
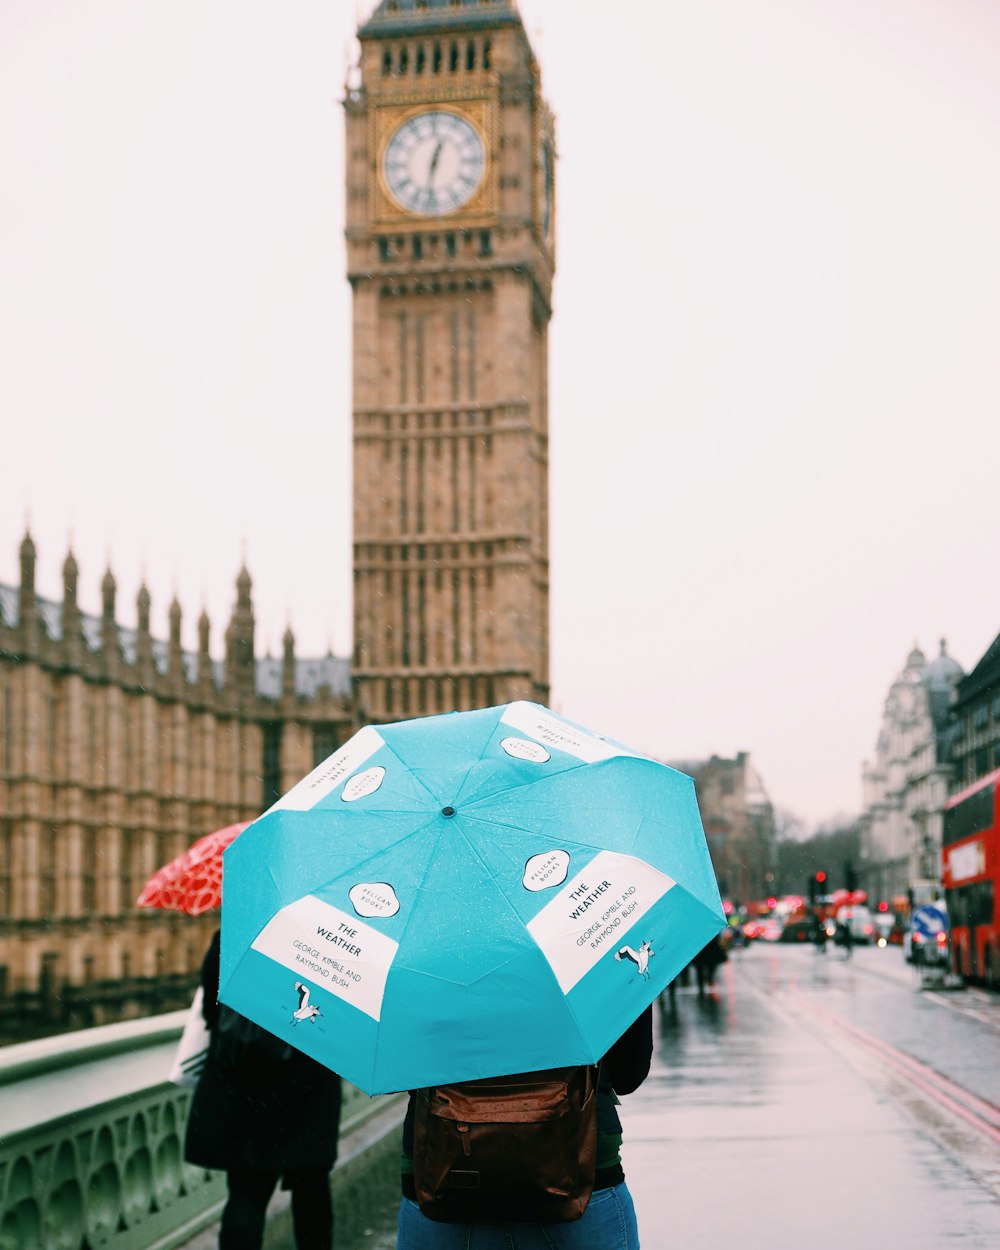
{"x": 481, "y": 206}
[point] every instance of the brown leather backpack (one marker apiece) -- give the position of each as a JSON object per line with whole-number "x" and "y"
{"x": 509, "y": 1149}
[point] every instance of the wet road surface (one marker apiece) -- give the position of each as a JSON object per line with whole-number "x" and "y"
{"x": 796, "y": 1105}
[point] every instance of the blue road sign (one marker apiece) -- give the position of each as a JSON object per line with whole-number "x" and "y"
{"x": 929, "y": 920}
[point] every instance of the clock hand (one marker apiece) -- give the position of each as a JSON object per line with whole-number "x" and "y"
{"x": 434, "y": 161}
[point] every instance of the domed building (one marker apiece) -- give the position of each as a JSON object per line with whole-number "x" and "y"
{"x": 905, "y": 786}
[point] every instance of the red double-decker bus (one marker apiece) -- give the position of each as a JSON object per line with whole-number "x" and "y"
{"x": 970, "y": 868}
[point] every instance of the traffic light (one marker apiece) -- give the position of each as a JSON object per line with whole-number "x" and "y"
{"x": 821, "y": 878}
{"x": 817, "y": 885}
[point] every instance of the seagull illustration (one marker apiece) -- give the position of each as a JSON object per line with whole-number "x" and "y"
{"x": 640, "y": 957}
{"x": 304, "y": 1012}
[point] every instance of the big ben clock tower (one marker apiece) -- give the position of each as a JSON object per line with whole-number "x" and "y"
{"x": 451, "y": 255}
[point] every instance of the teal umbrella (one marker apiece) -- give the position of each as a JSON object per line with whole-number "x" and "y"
{"x": 466, "y": 895}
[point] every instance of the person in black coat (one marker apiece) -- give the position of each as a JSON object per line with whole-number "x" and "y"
{"x": 261, "y": 1111}
{"x": 707, "y": 961}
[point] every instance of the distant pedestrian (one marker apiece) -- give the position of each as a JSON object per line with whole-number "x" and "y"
{"x": 821, "y": 936}
{"x": 263, "y": 1112}
{"x": 707, "y": 961}
{"x": 848, "y": 939}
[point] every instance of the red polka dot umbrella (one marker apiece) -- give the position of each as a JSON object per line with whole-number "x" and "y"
{"x": 192, "y": 882}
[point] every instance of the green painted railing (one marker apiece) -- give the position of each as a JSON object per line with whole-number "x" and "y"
{"x": 91, "y": 1146}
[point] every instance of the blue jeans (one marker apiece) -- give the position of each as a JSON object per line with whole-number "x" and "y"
{"x": 607, "y": 1224}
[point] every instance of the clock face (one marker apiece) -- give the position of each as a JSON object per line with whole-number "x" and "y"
{"x": 433, "y": 163}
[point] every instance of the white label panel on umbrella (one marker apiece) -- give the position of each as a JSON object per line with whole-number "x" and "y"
{"x": 331, "y": 948}
{"x": 541, "y": 725}
{"x": 333, "y": 770}
{"x": 593, "y": 911}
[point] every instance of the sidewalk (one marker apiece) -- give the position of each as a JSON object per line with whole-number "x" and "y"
{"x": 758, "y": 1131}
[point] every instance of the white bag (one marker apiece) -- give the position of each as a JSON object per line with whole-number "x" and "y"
{"x": 192, "y": 1050}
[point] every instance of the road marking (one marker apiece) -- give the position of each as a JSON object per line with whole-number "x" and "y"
{"x": 974, "y": 1003}
{"x": 982, "y": 1115}
{"x": 979, "y": 1006}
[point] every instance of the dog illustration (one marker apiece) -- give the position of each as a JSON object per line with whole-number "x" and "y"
{"x": 305, "y": 1011}
{"x": 640, "y": 957}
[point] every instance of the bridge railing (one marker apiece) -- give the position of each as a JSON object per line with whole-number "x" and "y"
{"x": 92, "y": 1137}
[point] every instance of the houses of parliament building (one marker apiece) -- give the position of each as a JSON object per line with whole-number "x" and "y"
{"x": 118, "y": 749}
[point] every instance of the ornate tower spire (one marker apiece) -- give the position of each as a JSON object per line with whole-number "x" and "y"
{"x": 143, "y": 603}
{"x": 27, "y": 607}
{"x": 27, "y": 591}
{"x": 144, "y": 640}
{"x": 176, "y": 656}
{"x": 109, "y": 627}
{"x": 71, "y": 579}
{"x": 204, "y": 658}
{"x": 288, "y": 663}
{"x": 240, "y": 637}
{"x": 109, "y": 591}
{"x": 71, "y": 635}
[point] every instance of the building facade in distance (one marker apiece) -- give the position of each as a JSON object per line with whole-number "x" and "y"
{"x": 117, "y": 750}
{"x": 739, "y": 824}
{"x": 975, "y": 750}
{"x": 906, "y": 784}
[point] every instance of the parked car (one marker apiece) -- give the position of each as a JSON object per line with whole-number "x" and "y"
{"x": 771, "y": 929}
{"x": 858, "y": 918}
{"x": 800, "y": 930}
{"x": 884, "y": 922}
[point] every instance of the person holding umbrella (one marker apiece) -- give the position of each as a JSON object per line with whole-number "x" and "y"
{"x": 608, "y": 1221}
{"x": 263, "y": 1111}
{"x": 465, "y": 897}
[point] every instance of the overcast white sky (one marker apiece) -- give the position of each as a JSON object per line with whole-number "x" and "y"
{"x": 775, "y": 365}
